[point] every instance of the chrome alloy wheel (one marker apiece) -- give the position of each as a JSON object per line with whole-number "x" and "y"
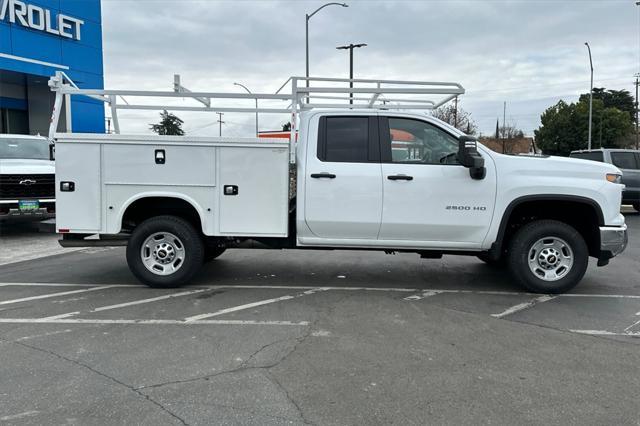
{"x": 550, "y": 258}
{"x": 162, "y": 253}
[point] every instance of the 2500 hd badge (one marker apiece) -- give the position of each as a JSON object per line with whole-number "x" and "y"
{"x": 467, "y": 208}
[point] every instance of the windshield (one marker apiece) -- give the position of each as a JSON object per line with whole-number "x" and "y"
{"x": 24, "y": 148}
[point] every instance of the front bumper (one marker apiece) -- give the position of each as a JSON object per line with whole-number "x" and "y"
{"x": 613, "y": 241}
{"x": 9, "y": 210}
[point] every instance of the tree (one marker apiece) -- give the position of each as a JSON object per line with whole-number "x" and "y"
{"x": 565, "y": 127}
{"x": 511, "y": 131}
{"x": 169, "y": 125}
{"x": 461, "y": 119}
{"x": 620, "y": 99}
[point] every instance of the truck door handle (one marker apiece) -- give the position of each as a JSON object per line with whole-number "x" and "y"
{"x": 323, "y": 175}
{"x": 400, "y": 177}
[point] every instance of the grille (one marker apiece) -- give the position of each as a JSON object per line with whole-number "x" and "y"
{"x": 44, "y": 186}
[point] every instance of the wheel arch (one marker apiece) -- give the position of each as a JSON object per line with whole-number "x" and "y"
{"x": 537, "y": 203}
{"x": 143, "y": 206}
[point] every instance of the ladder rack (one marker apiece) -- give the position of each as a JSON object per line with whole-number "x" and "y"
{"x": 304, "y": 94}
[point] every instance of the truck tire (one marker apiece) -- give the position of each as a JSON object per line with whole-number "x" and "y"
{"x": 547, "y": 256}
{"x": 165, "y": 252}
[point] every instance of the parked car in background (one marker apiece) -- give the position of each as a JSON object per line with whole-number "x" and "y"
{"x": 627, "y": 160}
{"x": 27, "y": 178}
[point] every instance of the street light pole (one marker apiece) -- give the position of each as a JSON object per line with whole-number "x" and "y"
{"x": 637, "y": 134}
{"x": 638, "y": 75}
{"x": 308, "y": 16}
{"x": 590, "y": 95}
{"x": 249, "y": 91}
{"x": 350, "y": 47}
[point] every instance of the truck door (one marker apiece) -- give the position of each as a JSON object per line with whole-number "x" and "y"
{"x": 343, "y": 182}
{"x": 429, "y": 197}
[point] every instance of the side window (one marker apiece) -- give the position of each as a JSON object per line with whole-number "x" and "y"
{"x": 348, "y": 139}
{"x": 419, "y": 142}
{"x": 624, "y": 160}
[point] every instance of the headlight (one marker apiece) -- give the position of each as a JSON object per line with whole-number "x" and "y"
{"x": 614, "y": 178}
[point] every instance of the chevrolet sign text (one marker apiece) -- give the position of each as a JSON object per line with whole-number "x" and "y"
{"x": 39, "y": 18}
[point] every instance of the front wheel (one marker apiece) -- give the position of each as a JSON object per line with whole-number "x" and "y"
{"x": 165, "y": 252}
{"x": 548, "y": 256}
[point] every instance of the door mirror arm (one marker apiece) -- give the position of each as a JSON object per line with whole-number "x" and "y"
{"x": 470, "y": 158}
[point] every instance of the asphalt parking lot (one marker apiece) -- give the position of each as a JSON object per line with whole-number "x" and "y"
{"x": 317, "y": 337}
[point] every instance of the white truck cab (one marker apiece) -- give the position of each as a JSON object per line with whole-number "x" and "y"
{"x": 372, "y": 175}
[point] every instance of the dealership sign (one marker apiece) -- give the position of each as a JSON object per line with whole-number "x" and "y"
{"x": 39, "y": 18}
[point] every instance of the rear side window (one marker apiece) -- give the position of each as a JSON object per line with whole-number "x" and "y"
{"x": 593, "y": 156}
{"x": 348, "y": 139}
{"x": 624, "y": 160}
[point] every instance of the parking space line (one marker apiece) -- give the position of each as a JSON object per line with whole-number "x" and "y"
{"x": 55, "y": 317}
{"x": 632, "y": 325}
{"x": 19, "y": 415}
{"x": 47, "y": 296}
{"x": 123, "y": 305}
{"x": 615, "y": 296}
{"x": 422, "y": 295}
{"x": 65, "y": 285}
{"x": 35, "y": 336}
{"x": 383, "y": 289}
{"x": 150, "y": 300}
{"x": 253, "y": 305}
{"x": 606, "y": 333}
{"x": 522, "y": 306}
{"x": 146, "y": 321}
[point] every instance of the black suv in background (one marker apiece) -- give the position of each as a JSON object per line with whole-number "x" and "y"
{"x": 627, "y": 160}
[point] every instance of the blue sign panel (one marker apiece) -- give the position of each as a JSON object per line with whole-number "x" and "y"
{"x": 40, "y": 37}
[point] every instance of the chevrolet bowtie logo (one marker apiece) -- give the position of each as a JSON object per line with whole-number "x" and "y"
{"x": 27, "y": 182}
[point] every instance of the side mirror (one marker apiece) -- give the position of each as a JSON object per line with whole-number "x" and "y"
{"x": 470, "y": 158}
{"x": 52, "y": 151}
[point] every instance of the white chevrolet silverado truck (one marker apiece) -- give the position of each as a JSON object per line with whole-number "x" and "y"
{"x": 27, "y": 174}
{"x": 375, "y": 174}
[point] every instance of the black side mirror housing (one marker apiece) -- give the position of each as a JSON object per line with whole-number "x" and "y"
{"x": 470, "y": 158}
{"x": 52, "y": 151}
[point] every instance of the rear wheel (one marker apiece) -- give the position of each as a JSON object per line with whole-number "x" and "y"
{"x": 548, "y": 256}
{"x": 165, "y": 251}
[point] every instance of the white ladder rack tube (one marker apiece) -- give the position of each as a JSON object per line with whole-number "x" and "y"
{"x": 406, "y": 95}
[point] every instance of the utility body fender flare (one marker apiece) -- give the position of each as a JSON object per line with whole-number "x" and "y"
{"x": 157, "y": 194}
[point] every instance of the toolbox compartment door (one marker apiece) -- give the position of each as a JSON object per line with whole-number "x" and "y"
{"x": 257, "y": 191}
{"x": 79, "y": 209}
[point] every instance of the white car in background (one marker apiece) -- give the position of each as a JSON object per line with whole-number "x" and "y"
{"x": 27, "y": 178}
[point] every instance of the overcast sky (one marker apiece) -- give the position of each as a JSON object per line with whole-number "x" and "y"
{"x": 529, "y": 53}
